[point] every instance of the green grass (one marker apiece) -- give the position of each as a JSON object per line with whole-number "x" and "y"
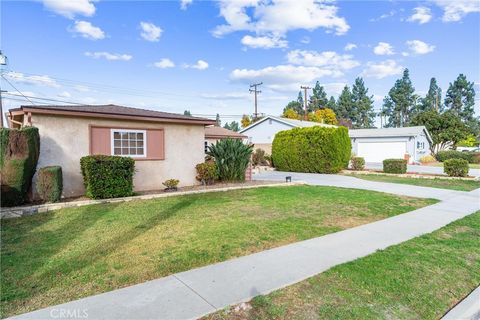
{"x": 419, "y": 279}
{"x": 71, "y": 253}
{"x": 440, "y": 164}
{"x": 453, "y": 184}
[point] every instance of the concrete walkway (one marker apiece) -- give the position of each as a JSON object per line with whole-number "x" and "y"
{"x": 421, "y": 169}
{"x": 200, "y": 291}
{"x": 467, "y": 309}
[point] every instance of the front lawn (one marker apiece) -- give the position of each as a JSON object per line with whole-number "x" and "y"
{"x": 419, "y": 279}
{"x": 454, "y": 184}
{"x": 71, "y": 253}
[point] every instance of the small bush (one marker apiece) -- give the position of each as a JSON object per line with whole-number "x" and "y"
{"x": 206, "y": 172}
{"x": 259, "y": 158}
{"x": 456, "y": 167}
{"x": 357, "y": 163}
{"x": 19, "y": 151}
{"x": 315, "y": 149}
{"x": 107, "y": 176}
{"x": 453, "y": 154}
{"x": 171, "y": 184}
{"x": 50, "y": 183}
{"x": 395, "y": 166}
{"x": 427, "y": 159}
{"x": 231, "y": 158}
{"x": 475, "y": 157}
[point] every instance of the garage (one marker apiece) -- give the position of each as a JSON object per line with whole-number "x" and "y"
{"x": 379, "y": 151}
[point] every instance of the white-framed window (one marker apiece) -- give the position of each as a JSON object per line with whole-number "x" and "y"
{"x": 420, "y": 145}
{"x": 127, "y": 142}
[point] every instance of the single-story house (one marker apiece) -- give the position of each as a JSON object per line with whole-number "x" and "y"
{"x": 376, "y": 145}
{"x": 262, "y": 132}
{"x": 215, "y": 133}
{"x": 164, "y": 145}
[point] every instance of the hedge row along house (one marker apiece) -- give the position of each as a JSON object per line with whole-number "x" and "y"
{"x": 374, "y": 145}
{"x": 164, "y": 145}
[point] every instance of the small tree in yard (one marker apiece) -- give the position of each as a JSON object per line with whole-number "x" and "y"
{"x": 231, "y": 158}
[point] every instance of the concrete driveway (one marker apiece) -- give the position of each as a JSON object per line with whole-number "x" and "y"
{"x": 420, "y": 169}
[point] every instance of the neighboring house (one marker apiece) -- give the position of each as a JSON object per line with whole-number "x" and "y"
{"x": 376, "y": 145}
{"x": 214, "y": 133}
{"x": 164, "y": 145}
{"x": 262, "y": 132}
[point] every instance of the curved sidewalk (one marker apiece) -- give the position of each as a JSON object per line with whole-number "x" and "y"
{"x": 197, "y": 292}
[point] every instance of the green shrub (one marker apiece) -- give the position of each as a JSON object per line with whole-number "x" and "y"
{"x": 358, "y": 163}
{"x": 259, "y": 158}
{"x": 395, "y": 166}
{"x": 50, "y": 183}
{"x": 206, "y": 172}
{"x": 453, "y": 154}
{"x": 19, "y": 151}
{"x": 171, "y": 184}
{"x": 475, "y": 157}
{"x": 107, "y": 176}
{"x": 314, "y": 149}
{"x": 231, "y": 158}
{"x": 456, "y": 167}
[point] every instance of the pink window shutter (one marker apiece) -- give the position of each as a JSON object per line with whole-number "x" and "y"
{"x": 155, "y": 144}
{"x": 100, "y": 141}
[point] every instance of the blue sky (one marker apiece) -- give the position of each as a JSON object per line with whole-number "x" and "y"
{"x": 202, "y": 56}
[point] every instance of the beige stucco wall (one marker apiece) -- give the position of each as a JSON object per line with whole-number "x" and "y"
{"x": 64, "y": 140}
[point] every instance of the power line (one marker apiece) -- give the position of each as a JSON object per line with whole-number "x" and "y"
{"x": 305, "y": 100}
{"x": 16, "y": 89}
{"x": 255, "y": 91}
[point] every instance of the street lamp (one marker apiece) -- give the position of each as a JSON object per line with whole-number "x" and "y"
{"x": 3, "y": 62}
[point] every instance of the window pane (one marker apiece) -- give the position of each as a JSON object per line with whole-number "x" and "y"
{"x": 140, "y": 136}
{"x": 139, "y": 143}
{"x": 116, "y": 135}
{"x": 133, "y": 150}
{"x": 116, "y": 143}
{"x": 131, "y": 135}
{"x": 133, "y": 143}
{"x": 124, "y": 143}
{"x": 117, "y": 151}
{"x": 124, "y": 135}
{"x": 140, "y": 151}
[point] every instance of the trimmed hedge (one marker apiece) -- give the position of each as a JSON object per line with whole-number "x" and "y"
{"x": 471, "y": 157}
{"x": 50, "y": 183}
{"x": 206, "y": 172}
{"x": 456, "y": 167}
{"x": 107, "y": 176}
{"x": 19, "y": 151}
{"x": 358, "y": 163}
{"x": 314, "y": 149}
{"x": 395, "y": 166}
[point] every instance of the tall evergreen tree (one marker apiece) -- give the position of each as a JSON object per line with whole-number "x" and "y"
{"x": 344, "y": 104}
{"x": 401, "y": 102}
{"x": 218, "y": 122}
{"x": 297, "y": 105}
{"x": 362, "y": 114}
{"x": 433, "y": 99}
{"x": 187, "y": 113}
{"x": 460, "y": 98}
{"x": 318, "y": 99}
{"x": 332, "y": 104}
{"x": 234, "y": 126}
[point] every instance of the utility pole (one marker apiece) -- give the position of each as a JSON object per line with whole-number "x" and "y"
{"x": 3, "y": 62}
{"x": 255, "y": 91}
{"x": 305, "y": 88}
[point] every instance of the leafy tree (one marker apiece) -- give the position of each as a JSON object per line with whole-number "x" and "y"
{"x": 401, "y": 102}
{"x": 226, "y": 126}
{"x": 344, "y": 104}
{"x": 362, "y": 113}
{"x": 290, "y": 114}
{"x": 345, "y": 123}
{"x": 318, "y": 99}
{"x": 234, "y": 126}
{"x": 296, "y": 105}
{"x": 323, "y": 115}
{"x": 187, "y": 113}
{"x": 332, "y": 104}
{"x": 469, "y": 141}
{"x": 245, "y": 121}
{"x": 432, "y": 100}
{"x": 446, "y": 129}
{"x": 460, "y": 98}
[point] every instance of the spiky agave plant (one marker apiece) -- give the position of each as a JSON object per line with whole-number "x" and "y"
{"x": 231, "y": 158}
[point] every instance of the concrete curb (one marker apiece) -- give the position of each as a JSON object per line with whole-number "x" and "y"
{"x": 16, "y": 212}
{"x": 409, "y": 175}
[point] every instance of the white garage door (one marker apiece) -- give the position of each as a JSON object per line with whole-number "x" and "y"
{"x": 379, "y": 151}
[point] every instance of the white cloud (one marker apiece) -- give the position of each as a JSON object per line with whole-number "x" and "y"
{"x": 350, "y": 46}
{"x": 185, "y": 3}
{"x": 382, "y": 69}
{"x": 81, "y": 88}
{"x": 227, "y": 96}
{"x": 164, "y": 63}
{"x": 200, "y": 65}
{"x": 88, "y": 31}
{"x": 457, "y": 9}
{"x": 383, "y": 48}
{"x": 333, "y": 88}
{"x": 277, "y": 18}
{"x": 43, "y": 80}
{"x": 384, "y": 16}
{"x": 327, "y": 59}
{"x": 422, "y": 15}
{"x": 264, "y": 42}
{"x": 419, "y": 47}
{"x": 70, "y": 8}
{"x": 64, "y": 94}
{"x": 109, "y": 56}
{"x": 150, "y": 32}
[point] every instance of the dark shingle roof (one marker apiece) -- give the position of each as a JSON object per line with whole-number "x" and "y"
{"x": 219, "y": 132}
{"x": 111, "y": 109}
